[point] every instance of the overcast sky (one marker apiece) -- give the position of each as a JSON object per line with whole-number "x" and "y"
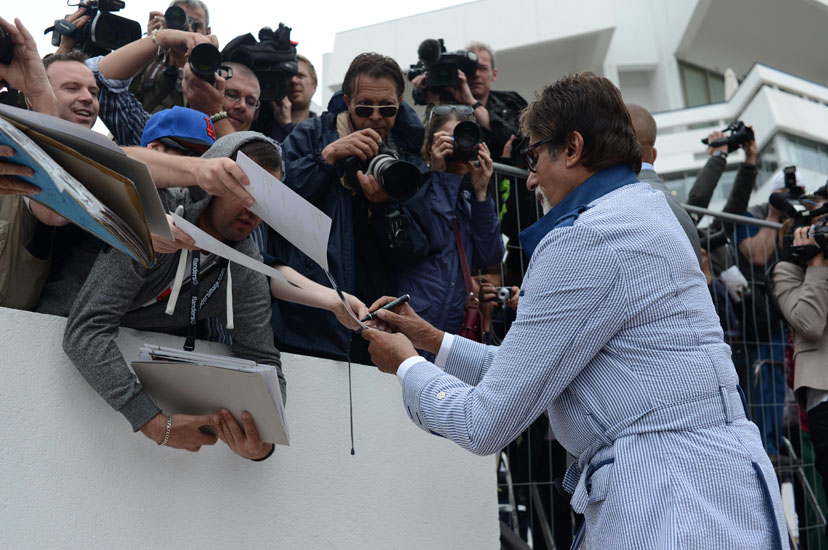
{"x": 314, "y": 23}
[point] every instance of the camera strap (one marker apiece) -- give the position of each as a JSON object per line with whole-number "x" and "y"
{"x": 464, "y": 264}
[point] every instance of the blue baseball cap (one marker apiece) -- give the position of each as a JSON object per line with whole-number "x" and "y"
{"x": 182, "y": 128}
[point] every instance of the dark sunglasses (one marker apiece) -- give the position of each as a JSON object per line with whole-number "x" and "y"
{"x": 386, "y": 111}
{"x": 440, "y": 110}
{"x": 529, "y": 156}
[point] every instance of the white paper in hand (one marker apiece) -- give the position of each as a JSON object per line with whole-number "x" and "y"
{"x": 283, "y": 209}
{"x": 213, "y": 245}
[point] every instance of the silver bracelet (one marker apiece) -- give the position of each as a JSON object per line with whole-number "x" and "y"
{"x": 167, "y": 435}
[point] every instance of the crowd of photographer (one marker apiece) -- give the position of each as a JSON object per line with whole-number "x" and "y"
{"x": 416, "y": 205}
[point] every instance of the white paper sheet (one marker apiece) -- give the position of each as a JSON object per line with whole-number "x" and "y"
{"x": 211, "y": 244}
{"x": 283, "y": 209}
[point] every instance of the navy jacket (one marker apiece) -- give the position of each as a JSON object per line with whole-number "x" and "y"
{"x": 359, "y": 255}
{"x": 436, "y": 285}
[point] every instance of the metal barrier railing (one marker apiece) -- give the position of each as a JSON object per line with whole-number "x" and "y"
{"x": 761, "y": 349}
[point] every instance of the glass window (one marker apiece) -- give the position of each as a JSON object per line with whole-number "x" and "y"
{"x": 701, "y": 87}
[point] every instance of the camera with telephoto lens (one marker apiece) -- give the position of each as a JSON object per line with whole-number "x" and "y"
{"x": 205, "y": 62}
{"x": 794, "y": 203}
{"x": 440, "y": 68}
{"x": 103, "y": 33}
{"x": 176, "y": 18}
{"x": 398, "y": 178}
{"x": 739, "y": 135}
{"x": 467, "y": 138}
{"x": 272, "y": 58}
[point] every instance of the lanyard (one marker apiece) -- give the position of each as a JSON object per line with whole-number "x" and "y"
{"x": 195, "y": 303}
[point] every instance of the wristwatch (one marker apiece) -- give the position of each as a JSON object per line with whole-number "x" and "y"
{"x": 476, "y": 104}
{"x": 717, "y": 154}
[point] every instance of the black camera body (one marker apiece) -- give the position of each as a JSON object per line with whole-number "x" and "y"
{"x": 789, "y": 203}
{"x": 398, "y": 178}
{"x": 739, "y": 135}
{"x": 272, "y": 58}
{"x": 440, "y": 68}
{"x": 104, "y": 33}
{"x": 6, "y": 48}
{"x": 467, "y": 138}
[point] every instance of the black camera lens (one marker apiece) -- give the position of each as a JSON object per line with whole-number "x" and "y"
{"x": 205, "y": 60}
{"x": 467, "y": 139}
{"x": 6, "y": 48}
{"x": 176, "y": 18}
{"x": 398, "y": 178}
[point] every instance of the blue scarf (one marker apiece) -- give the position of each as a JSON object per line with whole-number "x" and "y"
{"x": 574, "y": 204}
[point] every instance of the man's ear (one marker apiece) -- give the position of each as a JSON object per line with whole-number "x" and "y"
{"x": 655, "y": 154}
{"x": 574, "y": 149}
{"x": 494, "y": 75}
{"x": 347, "y": 101}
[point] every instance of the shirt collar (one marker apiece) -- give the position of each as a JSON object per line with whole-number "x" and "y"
{"x": 597, "y": 185}
{"x": 647, "y": 166}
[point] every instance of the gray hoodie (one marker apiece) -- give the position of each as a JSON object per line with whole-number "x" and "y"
{"x": 117, "y": 291}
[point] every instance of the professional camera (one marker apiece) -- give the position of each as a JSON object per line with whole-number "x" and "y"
{"x": 398, "y": 178}
{"x": 467, "y": 138}
{"x": 177, "y": 19}
{"x": 6, "y": 48}
{"x": 205, "y": 62}
{"x": 739, "y": 135}
{"x": 104, "y": 33}
{"x": 440, "y": 68}
{"x": 794, "y": 205}
{"x": 273, "y": 59}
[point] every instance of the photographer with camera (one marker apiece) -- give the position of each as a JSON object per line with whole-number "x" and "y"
{"x": 344, "y": 163}
{"x": 283, "y": 116}
{"x": 465, "y": 229}
{"x": 799, "y": 283}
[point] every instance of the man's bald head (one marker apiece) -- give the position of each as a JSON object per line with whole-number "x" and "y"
{"x": 645, "y": 130}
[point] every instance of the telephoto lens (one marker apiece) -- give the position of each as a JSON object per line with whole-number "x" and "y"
{"x": 176, "y": 18}
{"x": 398, "y": 178}
{"x": 6, "y": 48}
{"x": 467, "y": 139}
{"x": 205, "y": 60}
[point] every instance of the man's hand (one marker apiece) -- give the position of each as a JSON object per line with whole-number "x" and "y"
{"x": 802, "y": 237}
{"x": 243, "y": 440}
{"x": 78, "y": 19}
{"x": 281, "y": 111}
{"x": 184, "y": 433}
{"x": 462, "y": 93}
{"x": 513, "y": 300}
{"x": 201, "y": 95}
{"x": 9, "y": 184}
{"x": 363, "y": 144}
{"x": 481, "y": 173}
{"x": 715, "y": 134}
{"x": 751, "y": 150}
{"x": 388, "y": 350}
{"x": 507, "y": 148}
{"x": 405, "y": 320}
{"x": 356, "y": 305}
{"x": 222, "y": 177}
{"x": 26, "y": 71}
{"x": 372, "y": 189}
{"x": 181, "y": 240}
{"x": 156, "y": 21}
{"x": 487, "y": 298}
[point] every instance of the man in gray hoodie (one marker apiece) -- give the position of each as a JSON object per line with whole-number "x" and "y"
{"x": 119, "y": 292}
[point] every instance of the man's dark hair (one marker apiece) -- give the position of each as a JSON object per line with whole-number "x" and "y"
{"x": 373, "y": 65}
{"x": 592, "y": 106}
{"x": 264, "y": 153}
{"x": 74, "y": 55}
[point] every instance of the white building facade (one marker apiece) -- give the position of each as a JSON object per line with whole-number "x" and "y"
{"x": 668, "y": 55}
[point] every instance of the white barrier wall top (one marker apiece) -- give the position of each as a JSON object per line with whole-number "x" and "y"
{"x": 73, "y": 475}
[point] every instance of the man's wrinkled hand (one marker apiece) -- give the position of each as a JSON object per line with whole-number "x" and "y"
{"x": 363, "y": 144}
{"x": 388, "y": 350}
{"x": 222, "y": 177}
{"x": 243, "y": 440}
{"x": 405, "y": 320}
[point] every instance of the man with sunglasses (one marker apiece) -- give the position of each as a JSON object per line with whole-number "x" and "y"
{"x": 616, "y": 338}
{"x": 363, "y": 259}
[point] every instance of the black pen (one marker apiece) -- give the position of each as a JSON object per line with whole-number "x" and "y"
{"x": 390, "y": 305}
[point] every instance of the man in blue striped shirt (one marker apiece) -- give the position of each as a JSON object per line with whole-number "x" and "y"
{"x": 616, "y": 337}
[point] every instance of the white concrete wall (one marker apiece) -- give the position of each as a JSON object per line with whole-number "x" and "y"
{"x": 73, "y": 475}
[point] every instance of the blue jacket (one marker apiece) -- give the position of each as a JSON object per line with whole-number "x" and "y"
{"x": 436, "y": 285}
{"x": 367, "y": 269}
